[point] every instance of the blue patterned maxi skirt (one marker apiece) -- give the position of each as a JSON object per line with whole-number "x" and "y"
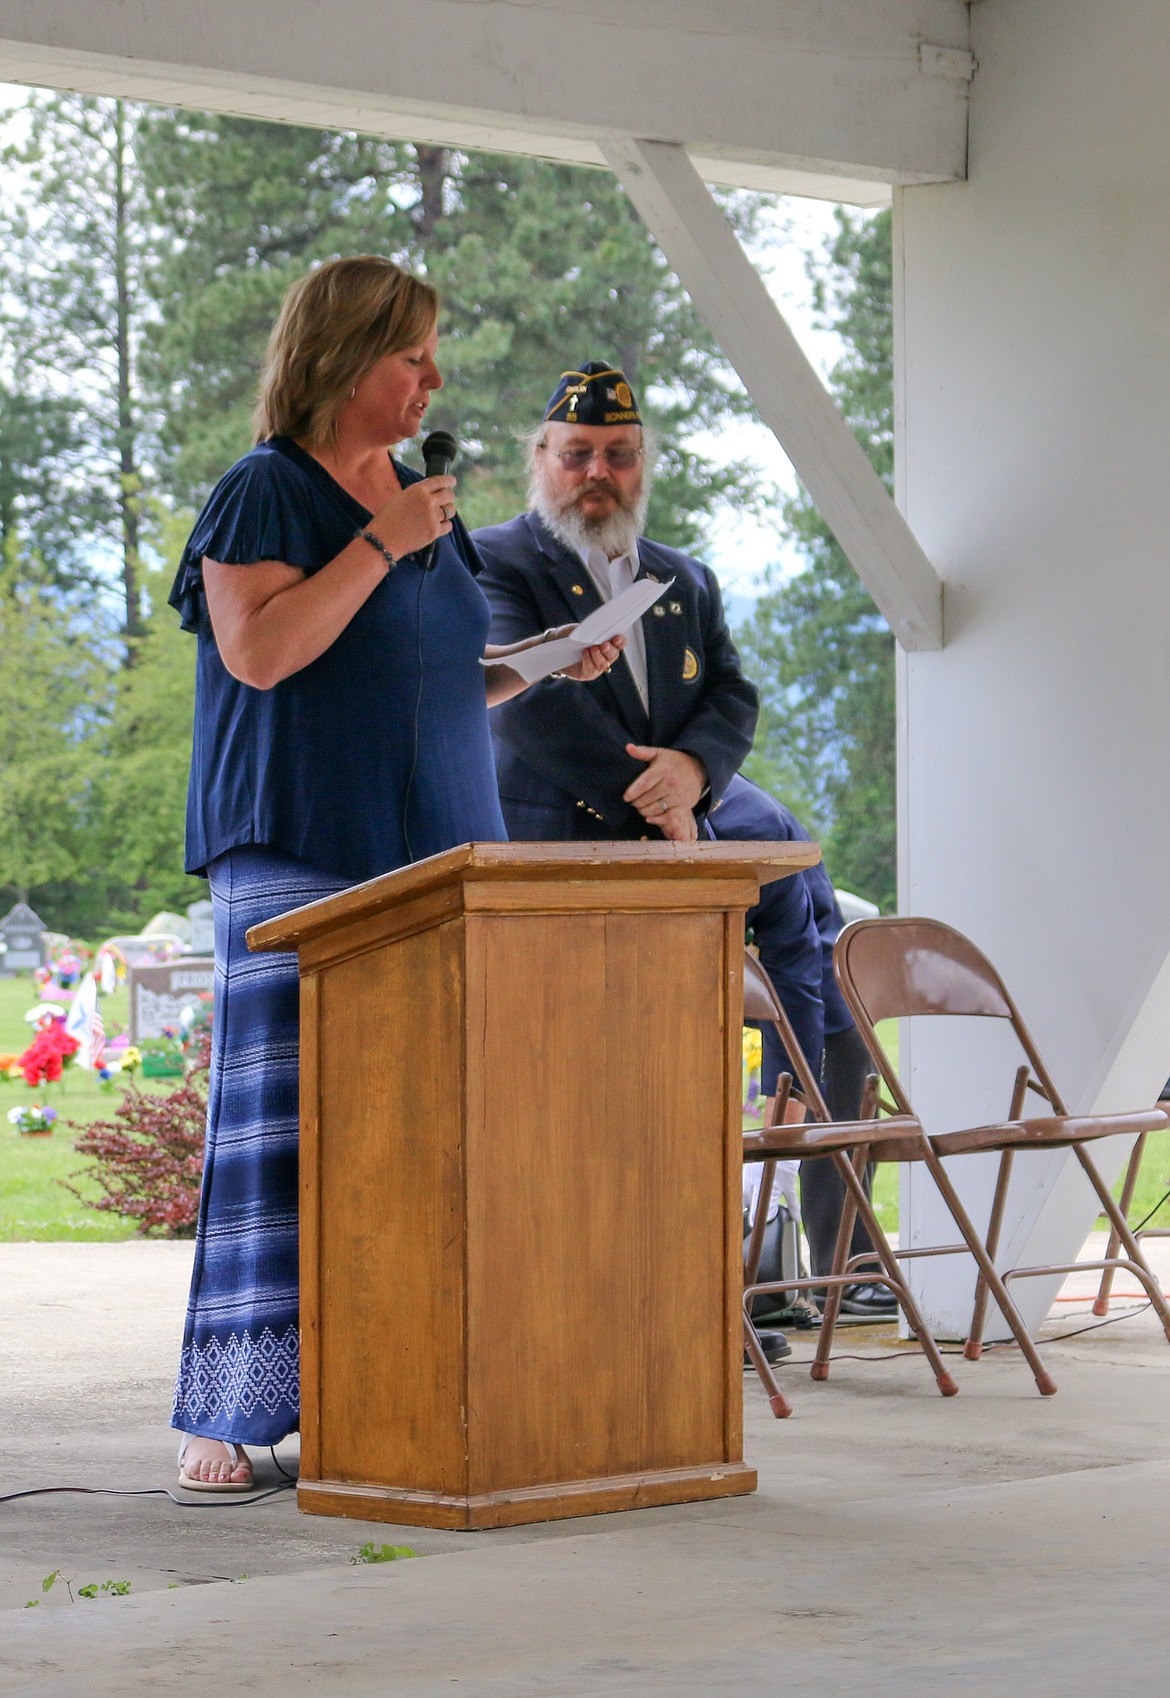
{"x": 239, "y": 1375}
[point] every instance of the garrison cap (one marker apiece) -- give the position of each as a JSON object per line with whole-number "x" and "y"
{"x": 596, "y": 394}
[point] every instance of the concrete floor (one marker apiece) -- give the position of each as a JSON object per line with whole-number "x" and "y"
{"x": 995, "y": 1543}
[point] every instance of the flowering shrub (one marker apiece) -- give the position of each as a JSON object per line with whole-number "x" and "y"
{"x": 149, "y": 1158}
{"x": 48, "y": 1054}
{"x": 38, "y": 1118}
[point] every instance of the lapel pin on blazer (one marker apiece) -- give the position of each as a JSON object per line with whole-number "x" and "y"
{"x": 676, "y": 606}
{"x": 577, "y": 589}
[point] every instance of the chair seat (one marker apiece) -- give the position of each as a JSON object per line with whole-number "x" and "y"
{"x": 814, "y": 1138}
{"x": 1053, "y": 1131}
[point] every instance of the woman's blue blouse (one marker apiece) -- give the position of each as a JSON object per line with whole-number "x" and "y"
{"x": 378, "y": 752}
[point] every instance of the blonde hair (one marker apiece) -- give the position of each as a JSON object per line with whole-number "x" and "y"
{"x": 333, "y": 326}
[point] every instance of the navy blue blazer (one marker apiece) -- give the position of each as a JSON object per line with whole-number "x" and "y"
{"x": 746, "y": 814}
{"x": 560, "y": 746}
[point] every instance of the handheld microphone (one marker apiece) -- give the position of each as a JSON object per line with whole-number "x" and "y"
{"x": 439, "y": 449}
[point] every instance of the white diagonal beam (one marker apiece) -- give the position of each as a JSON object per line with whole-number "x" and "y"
{"x": 728, "y": 291}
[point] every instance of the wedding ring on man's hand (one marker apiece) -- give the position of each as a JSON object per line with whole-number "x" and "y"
{"x": 448, "y": 514}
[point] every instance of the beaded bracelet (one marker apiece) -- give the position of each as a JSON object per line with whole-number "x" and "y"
{"x": 376, "y": 542}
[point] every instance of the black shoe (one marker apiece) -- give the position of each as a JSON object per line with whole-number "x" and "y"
{"x": 868, "y": 1300}
{"x": 873, "y": 1301}
{"x": 798, "y": 1316}
{"x": 775, "y": 1346}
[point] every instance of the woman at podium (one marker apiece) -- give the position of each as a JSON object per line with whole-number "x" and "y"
{"x": 340, "y": 731}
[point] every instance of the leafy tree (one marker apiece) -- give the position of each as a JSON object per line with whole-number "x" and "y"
{"x": 816, "y": 644}
{"x": 55, "y": 690}
{"x": 72, "y": 243}
{"x": 94, "y": 775}
{"x": 146, "y": 752}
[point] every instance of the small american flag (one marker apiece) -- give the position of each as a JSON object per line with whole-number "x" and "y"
{"x": 97, "y": 1039}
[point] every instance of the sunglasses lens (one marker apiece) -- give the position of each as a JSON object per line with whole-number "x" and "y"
{"x": 576, "y": 459}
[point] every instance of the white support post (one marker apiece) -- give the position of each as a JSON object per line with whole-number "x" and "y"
{"x": 725, "y": 286}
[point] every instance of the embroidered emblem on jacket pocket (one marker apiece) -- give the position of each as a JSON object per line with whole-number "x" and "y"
{"x": 690, "y": 666}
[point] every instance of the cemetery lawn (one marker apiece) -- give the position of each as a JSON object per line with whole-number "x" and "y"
{"x": 33, "y": 1205}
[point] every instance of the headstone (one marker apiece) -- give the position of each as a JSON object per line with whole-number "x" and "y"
{"x": 200, "y": 915}
{"x": 21, "y": 932}
{"x": 166, "y": 924}
{"x": 158, "y": 995}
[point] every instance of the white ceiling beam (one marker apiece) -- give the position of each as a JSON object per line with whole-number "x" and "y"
{"x": 832, "y": 95}
{"x": 728, "y": 291}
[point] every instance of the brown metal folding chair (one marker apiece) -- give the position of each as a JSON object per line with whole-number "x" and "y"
{"x": 849, "y": 1144}
{"x": 892, "y": 968}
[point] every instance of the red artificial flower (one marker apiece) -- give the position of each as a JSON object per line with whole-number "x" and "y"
{"x": 44, "y": 1058}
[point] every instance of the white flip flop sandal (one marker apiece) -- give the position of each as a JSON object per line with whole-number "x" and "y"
{"x": 189, "y": 1484}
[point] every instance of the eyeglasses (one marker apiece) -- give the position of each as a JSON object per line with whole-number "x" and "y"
{"x": 620, "y": 459}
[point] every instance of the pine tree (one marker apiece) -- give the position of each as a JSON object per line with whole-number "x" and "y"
{"x": 816, "y": 644}
{"x": 73, "y": 237}
{"x": 538, "y": 265}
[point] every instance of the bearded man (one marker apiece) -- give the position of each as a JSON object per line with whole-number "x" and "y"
{"x": 649, "y": 747}
{"x": 652, "y": 746}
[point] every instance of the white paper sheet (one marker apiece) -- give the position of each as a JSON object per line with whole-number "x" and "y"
{"x": 611, "y": 619}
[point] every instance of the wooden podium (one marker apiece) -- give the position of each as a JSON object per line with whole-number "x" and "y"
{"x": 521, "y": 1215}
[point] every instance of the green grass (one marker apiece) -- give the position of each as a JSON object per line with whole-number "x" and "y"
{"x": 33, "y": 1204}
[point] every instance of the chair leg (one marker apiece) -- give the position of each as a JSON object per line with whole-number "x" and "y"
{"x": 820, "y": 1363}
{"x": 973, "y": 1348}
{"x": 1045, "y": 1384}
{"x": 1101, "y": 1305}
{"x": 1121, "y": 1227}
{"x": 945, "y": 1380}
{"x": 779, "y": 1403}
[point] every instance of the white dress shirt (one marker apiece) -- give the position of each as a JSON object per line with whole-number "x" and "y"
{"x": 611, "y": 578}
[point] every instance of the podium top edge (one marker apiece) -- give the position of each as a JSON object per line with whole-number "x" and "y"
{"x": 535, "y": 862}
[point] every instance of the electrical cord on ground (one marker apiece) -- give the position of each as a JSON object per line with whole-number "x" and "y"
{"x": 241, "y": 1502}
{"x": 1002, "y": 1344}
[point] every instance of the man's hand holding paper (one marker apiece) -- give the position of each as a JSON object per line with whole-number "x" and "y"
{"x": 539, "y": 657}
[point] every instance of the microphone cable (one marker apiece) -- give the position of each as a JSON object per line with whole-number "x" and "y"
{"x": 424, "y": 573}
{"x": 439, "y": 449}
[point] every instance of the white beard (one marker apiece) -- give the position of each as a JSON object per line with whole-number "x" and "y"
{"x": 615, "y": 534}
